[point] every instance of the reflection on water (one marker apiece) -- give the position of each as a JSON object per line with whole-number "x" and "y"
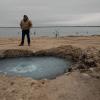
{"x": 35, "y": 67}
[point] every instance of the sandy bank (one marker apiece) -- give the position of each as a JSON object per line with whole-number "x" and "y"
{"x": 81, "y": 83}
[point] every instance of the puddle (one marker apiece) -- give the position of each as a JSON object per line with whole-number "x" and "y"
{"x": 35, "y": 67}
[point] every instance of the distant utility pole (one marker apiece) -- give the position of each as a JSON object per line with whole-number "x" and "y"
{"x": 56, "y": 34}
{"x": 34, "y": 33}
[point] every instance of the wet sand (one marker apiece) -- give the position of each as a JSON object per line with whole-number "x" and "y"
{"x": 74, "y": 85}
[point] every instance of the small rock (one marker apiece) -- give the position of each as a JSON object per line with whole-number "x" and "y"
{"x": 91, "y": 69}
{"x": 12, "y": 83}
{"x": 34, "y": 82}
{"x": 69, "y": 69}
{"x": 81, "y": 66}
{"x": 67, "y": 73}
{"x": 86, "y": 75}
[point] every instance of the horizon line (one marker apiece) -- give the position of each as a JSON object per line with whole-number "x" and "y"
{"x": 46, "y": 26}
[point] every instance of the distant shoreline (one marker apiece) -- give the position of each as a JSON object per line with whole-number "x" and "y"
{"x": 49, "y": 26}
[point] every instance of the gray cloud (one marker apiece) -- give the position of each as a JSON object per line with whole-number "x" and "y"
{"x": 50, "y": 12}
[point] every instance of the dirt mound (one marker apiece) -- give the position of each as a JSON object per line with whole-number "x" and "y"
{"x": 62, "y": 51}
{"x": 15, "y": 53}
{"x": 83, "y": 58}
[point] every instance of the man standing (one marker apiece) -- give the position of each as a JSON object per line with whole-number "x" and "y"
{"x": 25, "y": 25}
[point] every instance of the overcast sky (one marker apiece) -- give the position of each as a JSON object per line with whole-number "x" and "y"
{"x": 50, "y": 12}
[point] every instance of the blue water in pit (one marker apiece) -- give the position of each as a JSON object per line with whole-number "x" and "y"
{"x": 35, "y": 67}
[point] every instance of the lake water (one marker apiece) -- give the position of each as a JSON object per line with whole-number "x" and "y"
{"x": 51, "y": 31}
{"x": 35, "y": 67}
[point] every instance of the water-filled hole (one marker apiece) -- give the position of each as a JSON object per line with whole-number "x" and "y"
{"x": 35, "y": 67}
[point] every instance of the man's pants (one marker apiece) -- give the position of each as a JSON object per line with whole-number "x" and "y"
{"x": 25, "y": 32}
